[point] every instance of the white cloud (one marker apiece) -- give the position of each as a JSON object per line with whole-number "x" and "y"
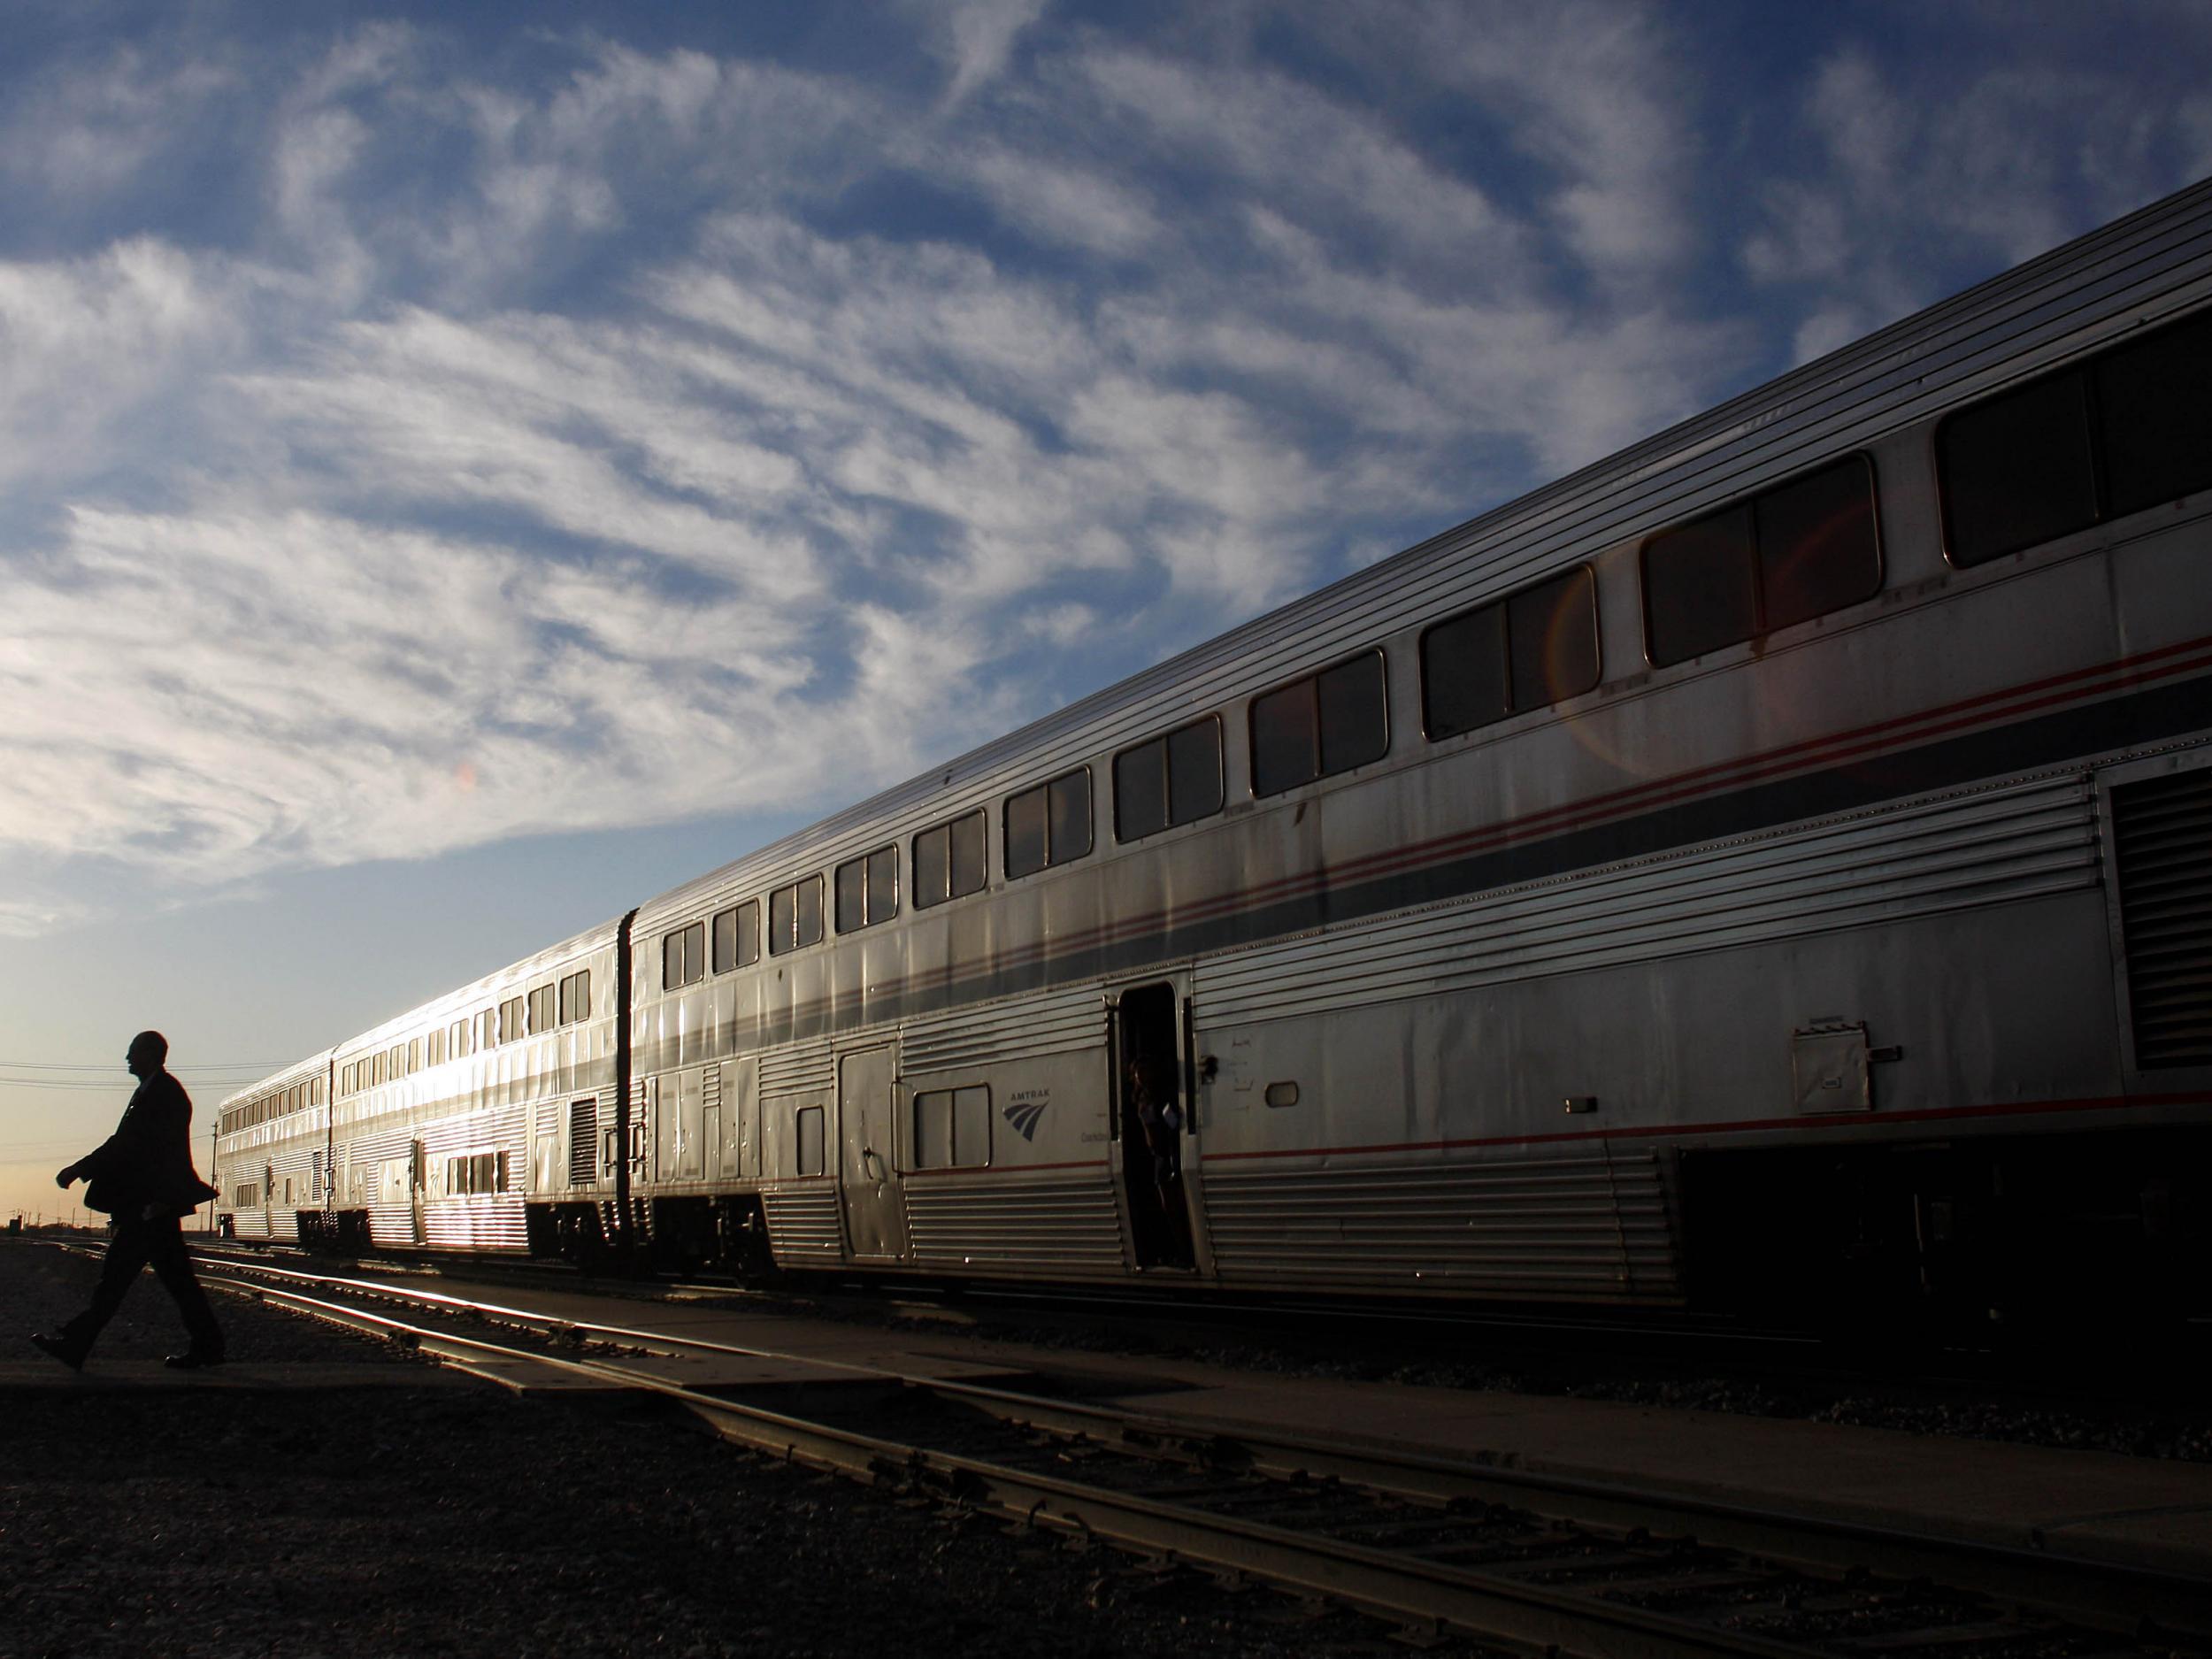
{"x": 975, "y": 37}
{"x": 585, "y": 443}
{"x": 1989, "y": 163}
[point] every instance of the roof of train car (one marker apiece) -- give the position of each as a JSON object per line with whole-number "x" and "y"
{"x": 284, "y": 1077}
{"x": 411, "y": 1020}
{"x": 467, "y": 998}
{"x": 2126, "y": 274}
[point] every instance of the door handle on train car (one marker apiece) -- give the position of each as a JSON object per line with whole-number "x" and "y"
{"x": 871, "y": 1165}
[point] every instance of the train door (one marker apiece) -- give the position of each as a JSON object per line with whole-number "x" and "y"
{"x": 418, "y": 1179}
{"x": 868, "y": 1177}
{"x": 1153, "y": 1131}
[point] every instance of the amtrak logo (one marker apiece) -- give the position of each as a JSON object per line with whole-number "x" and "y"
{"x": 1023, "y": 1114}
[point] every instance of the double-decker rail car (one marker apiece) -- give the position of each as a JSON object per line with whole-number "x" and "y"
{"x": 273, "y": 1155}
{"x": 471, "y": 1122}
{"x": 1770, "y": 862}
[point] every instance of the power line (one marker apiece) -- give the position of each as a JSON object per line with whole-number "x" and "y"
{"x": 227, "y": 1067}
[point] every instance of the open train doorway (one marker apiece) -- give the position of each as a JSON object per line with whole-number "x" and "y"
{"x": 1151, "y": 1116}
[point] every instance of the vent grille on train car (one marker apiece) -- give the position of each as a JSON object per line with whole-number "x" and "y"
{"x": 2162, "y": 844}
{"x": 583, "y": 1141}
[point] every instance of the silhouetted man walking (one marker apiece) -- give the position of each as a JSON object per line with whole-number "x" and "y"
{"x": 142, "y": 1176}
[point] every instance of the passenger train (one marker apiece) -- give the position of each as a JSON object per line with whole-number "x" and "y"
{"x": 1773, "y": 864}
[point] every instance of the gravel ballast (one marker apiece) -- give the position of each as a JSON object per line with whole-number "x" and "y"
{"x": 399, "y": 1513}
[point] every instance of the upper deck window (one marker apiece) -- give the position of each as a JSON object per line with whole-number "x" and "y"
{"x": 2129, "y": 428}
{"x": 1171, "y": 781}
{"x": 1048, "y": 825}
{"x": 868, "y": 889}
{"x": 1789, "y": 554}
{"x": 949, "y": 862}
{"x": 575, "y": 996}
{"x": 1326, "y": 723}
{"x": 737, "y": 936}
{"x": 1530, "y": 649}
{"x": 684, "y": 956}
{"x": 2017, "y": 470}
{"x": 795, "y": 915}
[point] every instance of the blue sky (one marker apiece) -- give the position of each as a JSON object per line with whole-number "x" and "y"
{"x": 463, "y": 470}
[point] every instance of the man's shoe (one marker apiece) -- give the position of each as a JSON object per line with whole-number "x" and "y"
{"x": 195, "y": 1359}
{"x": 69, "y": 1353}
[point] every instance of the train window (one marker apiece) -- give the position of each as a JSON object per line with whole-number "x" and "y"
{"x": 512, "y": 1020}
{"x": 868, "y": 889}
{"x": 1790, "y": 553}
{"x": 737, "y": 936}
{"x": 949, "y": 861}
{"x": 1325, "y": 723}
{"x": 435, "y": 1055}
{"x": 795, "y": 915}
{"x": 952, "y": 1128}
{"x": 683, "y": 956}
{"x": 1819, "y": 547}
{"x": 1048, "y": 825}
{"x": 544, "y": 1008}
{"x": 414, "y": 1055}
{"x": 807, "y": 1142}
{"x": 488, "y": 1029}
{"x": 458, "y": 1039}
{"x": 576, "y": 996}
{"x": 1171, "y": 780}
{"x": 2017, "y": 470}
{"x": 1532, "y": 649}
{"x": 479, "y": 1172}
{"x": 2154, "y": 416}
{"x": 1698, "y": 586}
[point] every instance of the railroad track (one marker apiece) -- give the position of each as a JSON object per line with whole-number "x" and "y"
{"x": 1442, "y": 1548}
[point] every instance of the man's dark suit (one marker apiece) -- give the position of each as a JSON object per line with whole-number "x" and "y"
{"x": 142, "y": 1176}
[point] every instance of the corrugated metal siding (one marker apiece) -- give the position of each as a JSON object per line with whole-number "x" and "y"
{"x": 2162, "y": 835}
{"x": 1046, "y": 1226}
{"x": 477, "y": 1221}
{"x": 1566, "y": 1226}
{"x": 1021, "y": 1030}
{"x": 805, "y": 1226}
{"x": 1993, "y": 847}
{"x": 799, "y": 1068}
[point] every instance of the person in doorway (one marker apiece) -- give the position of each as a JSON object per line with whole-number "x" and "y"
{"x": 1152, "y": 1089}
{"x": 142, "y": 1176}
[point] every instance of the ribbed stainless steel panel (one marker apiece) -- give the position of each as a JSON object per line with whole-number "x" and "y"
{"x": 2161, "y": 834}
{"x": 1067, "y": 1226}
{"x": 1016, "y": 1030}
{"x": 1990, "y": 847}
{"x": 805, "y": 1225}
{"x": 1567, "y": 1226}
{"x": 477, "y": 1221}
{"x": 798, "y": 1068}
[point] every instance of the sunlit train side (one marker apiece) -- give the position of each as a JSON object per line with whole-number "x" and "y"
{"x": 468, "y": 1120}
{"x": 272, "y": 1153}
{"x": 1770, "y": 863}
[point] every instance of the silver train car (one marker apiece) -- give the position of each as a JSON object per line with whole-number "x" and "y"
{"x": 1772, "y": 864}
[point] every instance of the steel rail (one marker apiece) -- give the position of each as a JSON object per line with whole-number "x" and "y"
{"x": 2114, "y": 1596}
{"x": 1427, "y": 1595}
